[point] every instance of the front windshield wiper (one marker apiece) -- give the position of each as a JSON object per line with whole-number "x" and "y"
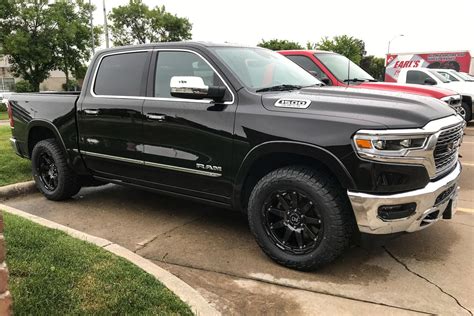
{"x": 280, "y": 87}
{"x": 359, "y": 80}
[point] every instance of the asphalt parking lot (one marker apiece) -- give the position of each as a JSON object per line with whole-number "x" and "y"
{"x": 430, "y": 271}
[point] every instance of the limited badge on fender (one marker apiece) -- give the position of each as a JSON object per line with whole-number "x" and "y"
{"x": 293, "y": 103}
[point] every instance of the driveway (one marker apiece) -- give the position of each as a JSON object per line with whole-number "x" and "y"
{"x": 430, "y": 271}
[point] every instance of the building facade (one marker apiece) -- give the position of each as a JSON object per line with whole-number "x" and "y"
{"x": 7, "y": 80}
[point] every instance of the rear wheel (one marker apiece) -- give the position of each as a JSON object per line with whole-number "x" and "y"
{"x": 300, "y": 217}
{"x": 53, "y": 176}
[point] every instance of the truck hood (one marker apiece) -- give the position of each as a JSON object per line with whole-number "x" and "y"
{"x": 464, "y": 88}
{"x": 427, "y": 91}
{"x": 376, "y": 108}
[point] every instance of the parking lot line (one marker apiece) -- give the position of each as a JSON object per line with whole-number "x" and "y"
{"x": 467, "y": 164}
{"x": 463, "y": 209}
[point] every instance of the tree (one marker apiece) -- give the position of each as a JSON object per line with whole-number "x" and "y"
{"x": 375, "y": 66}
{"x": 136, "y": 23}
{"x": 276, "y": 44}
{"x": 28, "y": 38}
{"x": 351, "y": 47}
{"x": 73, "y": 36}
{"x": 39, "y": 37}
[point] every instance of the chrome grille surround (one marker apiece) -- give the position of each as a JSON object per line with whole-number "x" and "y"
{"x": 446, "y": 153}
{"x": 425, "y": 156}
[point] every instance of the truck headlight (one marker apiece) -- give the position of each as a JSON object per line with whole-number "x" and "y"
{"x": 373, "y": 144}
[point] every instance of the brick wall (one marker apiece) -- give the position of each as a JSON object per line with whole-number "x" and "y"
{"x": 5, "y": 297}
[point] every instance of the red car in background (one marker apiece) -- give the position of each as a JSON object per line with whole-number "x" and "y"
{"x": 336, "y": 70}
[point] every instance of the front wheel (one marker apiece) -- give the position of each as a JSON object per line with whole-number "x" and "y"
{"x": 53, "y": 176}
{"x": 300, "y": 217}
{"x": 466, "y": 112}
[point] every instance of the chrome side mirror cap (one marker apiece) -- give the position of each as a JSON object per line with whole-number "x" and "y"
{"x": 192, "y": 87}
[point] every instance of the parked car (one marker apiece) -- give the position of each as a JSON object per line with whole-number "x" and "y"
{"x": 337, "y": 70}
{"x": 247, "y": 129}
{"x": 453, "y": 75}
{"x": 431, "y": 77}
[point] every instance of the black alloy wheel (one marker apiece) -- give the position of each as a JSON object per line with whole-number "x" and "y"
{"x": 47, "y": 171}
{"x": 292, "y": 221}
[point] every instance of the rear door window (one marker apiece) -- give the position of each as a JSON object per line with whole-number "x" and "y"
{"x": 121, "y": 75}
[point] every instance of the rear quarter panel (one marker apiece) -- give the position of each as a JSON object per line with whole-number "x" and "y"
{"x": 56, "y": 111}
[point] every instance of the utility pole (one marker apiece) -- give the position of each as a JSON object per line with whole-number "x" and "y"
{"x": 106, "y": 28}
{"x": 92, "y": 29}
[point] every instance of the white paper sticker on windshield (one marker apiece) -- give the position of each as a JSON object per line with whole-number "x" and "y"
{"x": 293, "y": 103}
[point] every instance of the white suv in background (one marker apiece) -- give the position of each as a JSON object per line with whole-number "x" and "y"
{"x": 432, "y": 77}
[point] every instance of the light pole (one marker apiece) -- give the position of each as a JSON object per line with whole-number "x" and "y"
{"x": 106, "y": 28}
{"x": 390, "y": 41}
{"x": 92, "y": 29}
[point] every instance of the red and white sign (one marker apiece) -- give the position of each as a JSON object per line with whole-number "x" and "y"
{"x": 459, "y": 61}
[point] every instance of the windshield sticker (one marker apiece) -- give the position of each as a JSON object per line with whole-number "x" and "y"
{"x": 293, "y": 103}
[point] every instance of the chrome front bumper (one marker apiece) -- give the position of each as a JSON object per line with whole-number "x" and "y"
{"x": 366, "y": 206}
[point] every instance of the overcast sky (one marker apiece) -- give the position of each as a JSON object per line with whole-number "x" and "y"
{"x": 426, "y": 25}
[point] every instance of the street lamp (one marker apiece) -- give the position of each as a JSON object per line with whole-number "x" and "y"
{"x": 390, "y": 41}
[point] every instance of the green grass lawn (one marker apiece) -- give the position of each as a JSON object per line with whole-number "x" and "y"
{"x": 52, "y": 273}
{"x": 3, "y": 116}
{"x": 12, "y": 168}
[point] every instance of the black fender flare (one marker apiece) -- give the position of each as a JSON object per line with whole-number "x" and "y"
{"x": 46, "y": 124}
{"x": 322, "y": 155}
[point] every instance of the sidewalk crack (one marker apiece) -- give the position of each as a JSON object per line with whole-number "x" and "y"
{"x": 426, "y": 279}
{"x": 289, "y": 286}
{"x": 145, "y": 243}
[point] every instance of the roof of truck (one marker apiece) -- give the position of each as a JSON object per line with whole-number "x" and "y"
{"x": 173, "y": 44}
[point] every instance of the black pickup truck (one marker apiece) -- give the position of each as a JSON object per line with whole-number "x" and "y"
{"x": 247, "y": 129}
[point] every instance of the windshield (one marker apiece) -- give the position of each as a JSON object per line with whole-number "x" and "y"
{"x": 442, "y": 78}
{"x": 465, "y": 76}
{"x": 260, "y": 68}
{"x": 343, "y": 68}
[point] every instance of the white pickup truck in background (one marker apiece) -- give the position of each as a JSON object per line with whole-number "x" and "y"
{"x": 432, "y": 77}
{"x": 453, "y": 75}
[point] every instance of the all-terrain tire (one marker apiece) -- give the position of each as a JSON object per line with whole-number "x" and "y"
{"x": 67, "y": 181}
{"x": 332, "y": 203}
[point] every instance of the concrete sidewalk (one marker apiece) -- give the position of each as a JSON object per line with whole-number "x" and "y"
{"x": 211, "y": 249}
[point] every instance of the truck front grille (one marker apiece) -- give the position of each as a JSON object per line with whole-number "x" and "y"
{"x": 446, "y": 150}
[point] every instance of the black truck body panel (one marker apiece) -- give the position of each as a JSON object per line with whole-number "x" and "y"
{"x": 120, "y": 143}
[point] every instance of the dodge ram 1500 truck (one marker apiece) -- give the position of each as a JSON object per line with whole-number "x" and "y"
{"x": 337, "y": 70}
{"x": 245, "y": 128}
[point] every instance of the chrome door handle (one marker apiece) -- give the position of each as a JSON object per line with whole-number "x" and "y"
{"x": 91, "y": 111}
{"x": 155, "y": 117}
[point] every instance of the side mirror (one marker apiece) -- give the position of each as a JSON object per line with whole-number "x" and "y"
{"x": 326, "y": 81}
{"x": 430, "y": 81}
{"x": 191, "y": 87}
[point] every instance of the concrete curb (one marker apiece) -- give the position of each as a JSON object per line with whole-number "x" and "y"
{"x": 12, "y": 190}
{"x": 186, "y": 293}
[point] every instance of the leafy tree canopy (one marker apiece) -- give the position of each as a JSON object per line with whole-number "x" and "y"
{"x": 39, "y": 36}
{"x": 276, "y": 44}
{"x": 351, "y": 47}
{"x": 136, "y": 23}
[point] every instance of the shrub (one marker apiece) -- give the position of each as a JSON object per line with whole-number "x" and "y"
{"x": 23, "y": 86}
{"x": 71, "y": 85}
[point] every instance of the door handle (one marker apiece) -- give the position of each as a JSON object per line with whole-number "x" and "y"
{"x": 155, "y": 117}
{"x": 91, "y": 111}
